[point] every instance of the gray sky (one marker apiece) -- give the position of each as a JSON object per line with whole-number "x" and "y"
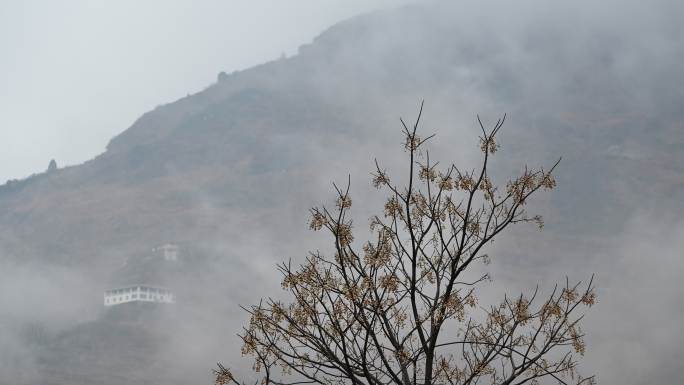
{"x": 74, "y": 73}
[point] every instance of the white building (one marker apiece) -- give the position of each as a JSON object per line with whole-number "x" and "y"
{"x": 169, "y": 251}
{"x": 138, "y": 293}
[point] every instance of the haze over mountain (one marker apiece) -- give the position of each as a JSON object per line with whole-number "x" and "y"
{"x": 91, "y": 68}
{"x": 229, "y": 173}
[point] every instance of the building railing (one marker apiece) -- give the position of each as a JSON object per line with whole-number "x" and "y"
{"x": 138, "y": 293}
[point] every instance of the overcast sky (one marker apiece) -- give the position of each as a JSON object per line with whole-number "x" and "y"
{"x": 74, "y": 73}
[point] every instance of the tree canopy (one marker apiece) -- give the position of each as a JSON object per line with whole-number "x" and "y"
{"x": 403, "y": 308}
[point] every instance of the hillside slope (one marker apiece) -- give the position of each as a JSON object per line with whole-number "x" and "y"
{"x": 227, "y": 144}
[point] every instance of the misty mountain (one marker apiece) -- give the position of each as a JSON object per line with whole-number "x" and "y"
{"x": 227, "y": 143}
{"x": 230, "y": 171}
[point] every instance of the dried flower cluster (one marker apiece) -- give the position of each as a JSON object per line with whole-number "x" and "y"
{"x": 403, "y": 309}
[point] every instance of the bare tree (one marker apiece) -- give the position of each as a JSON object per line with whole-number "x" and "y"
{"x": 404, "y": 309}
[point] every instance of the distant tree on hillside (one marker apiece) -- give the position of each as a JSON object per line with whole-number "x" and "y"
{"x": 404, "y": 308}
{"x": 52, "y": 166}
